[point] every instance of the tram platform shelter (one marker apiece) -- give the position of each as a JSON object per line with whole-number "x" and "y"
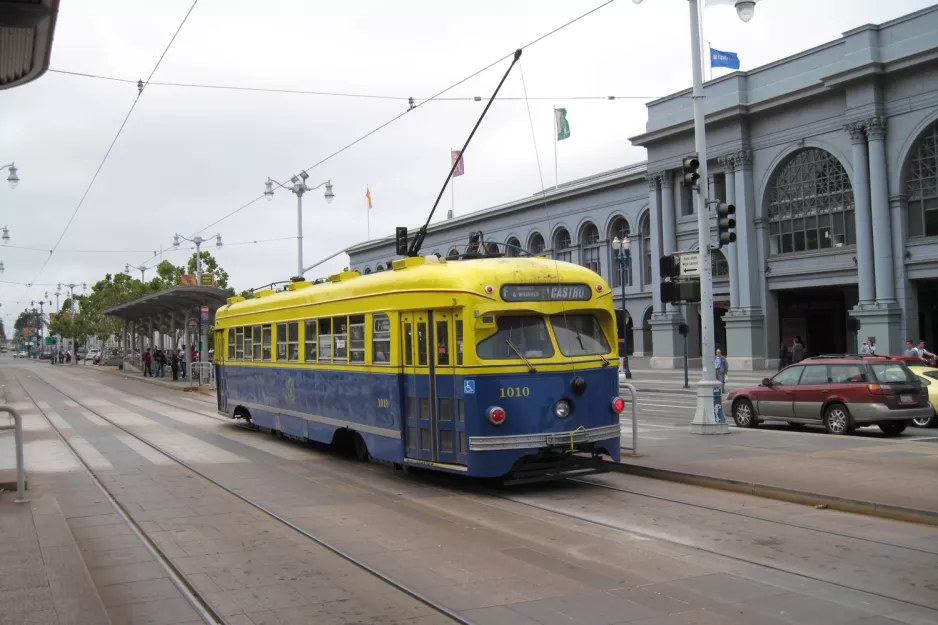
{"x": 162, "y": 319}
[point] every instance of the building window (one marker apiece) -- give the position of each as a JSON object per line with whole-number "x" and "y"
{"x": 512, "y": 247}
{"x": 590, "y": 248}
{"x": 453, "y": 253}
{"x": 619, "y": 230}
{"x": 719, "y": 187}
{"x": 380, "y": 267}
{"x": 646, "y": 249}
{"x": 923, "y": 186}
{"x": 367, "y": 270}
{"x": 719, "y": 266}
{"x": 811, "y": 204}
{"x": 687, "y": 200}
{"x": 563, "y": 246}
{"x": 536, "y": 244}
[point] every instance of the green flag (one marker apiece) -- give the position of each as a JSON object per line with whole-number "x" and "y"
{"x": 563, "y": 126}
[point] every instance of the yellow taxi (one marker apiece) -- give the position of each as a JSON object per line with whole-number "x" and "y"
{"x": 929, "y": 377}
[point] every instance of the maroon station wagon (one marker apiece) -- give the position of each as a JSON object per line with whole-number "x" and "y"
{"x": 841, "y": 392}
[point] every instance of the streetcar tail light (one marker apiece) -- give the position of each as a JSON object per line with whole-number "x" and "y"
{"x": 618, "y": 404}
{"x": 496, "y": 415}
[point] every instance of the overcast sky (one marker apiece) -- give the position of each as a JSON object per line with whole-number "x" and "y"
{"x": 189, "y": 156}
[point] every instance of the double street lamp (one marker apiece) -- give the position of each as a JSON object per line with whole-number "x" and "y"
{"x": 624, "y": 258}
{"x": 143, "y": 270}
{"x": 299, "y": 188}
{"x": 198, "y": 241}
{"x": 708, "y": 418}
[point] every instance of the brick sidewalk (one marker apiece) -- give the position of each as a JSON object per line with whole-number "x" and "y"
{"x": 892, "y": 477}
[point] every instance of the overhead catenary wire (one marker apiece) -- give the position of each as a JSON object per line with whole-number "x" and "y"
{"x": 338, "y": 94}
{"x": 137, "y": 251}
{"x": 114, "y": 141}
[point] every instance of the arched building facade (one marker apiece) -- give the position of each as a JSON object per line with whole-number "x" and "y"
{"x": 834, "y": 175}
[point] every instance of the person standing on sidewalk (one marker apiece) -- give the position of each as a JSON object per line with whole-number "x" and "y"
{"x": 868, "y": 348}
{"x": 797, "y": 350}
{"x": 147, "y": 360}
{"x": 721, "y": 367}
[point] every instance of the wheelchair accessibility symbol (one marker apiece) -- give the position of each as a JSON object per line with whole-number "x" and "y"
{"x": 469, "y": 387}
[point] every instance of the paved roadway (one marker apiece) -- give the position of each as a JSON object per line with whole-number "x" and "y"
{"x": 607, "y": 550}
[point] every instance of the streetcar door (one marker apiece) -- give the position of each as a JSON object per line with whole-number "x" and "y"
{"x": 445, "y": 354}
{"x": 415, "y": 348}
{"x": 220, "y": 359}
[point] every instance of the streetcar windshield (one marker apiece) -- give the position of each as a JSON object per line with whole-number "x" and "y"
{"x": 518, "y": 337}
{"x": 579, "y": 335}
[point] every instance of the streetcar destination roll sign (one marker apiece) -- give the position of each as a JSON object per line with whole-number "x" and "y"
{"x": 546, "y": 292}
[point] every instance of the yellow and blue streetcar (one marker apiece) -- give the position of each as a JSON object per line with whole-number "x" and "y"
{"x": 488, "y": 367}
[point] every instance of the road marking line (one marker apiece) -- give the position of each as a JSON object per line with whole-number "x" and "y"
{"x": 143, "y": 449}
{"x": 89, "y": 453}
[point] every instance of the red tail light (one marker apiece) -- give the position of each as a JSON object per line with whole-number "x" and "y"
{"x": 496, "y": 415}
{"x": 618, "y": 404}
{"x": 878, "y": 389}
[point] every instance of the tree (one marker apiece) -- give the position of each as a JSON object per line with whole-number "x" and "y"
{"x": 168, "y": 274}
{"x": 3, "y": 332}
{"x": 210, "y": 265}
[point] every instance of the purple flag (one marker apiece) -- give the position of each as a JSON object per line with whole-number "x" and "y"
{"x": 456, "y": 155}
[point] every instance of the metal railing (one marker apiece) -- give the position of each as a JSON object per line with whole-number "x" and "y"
{"x": 634, "y": 393}
{"x": 17, "y": 428}
{"x": 201, "y": 373}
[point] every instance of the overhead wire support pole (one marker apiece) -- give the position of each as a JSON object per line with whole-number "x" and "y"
{"x": 422, "y": 233}
{"x": 708, "y": 418}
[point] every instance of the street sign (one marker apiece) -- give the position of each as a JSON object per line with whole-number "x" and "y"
{"x": 50, "y": 340}
{"x": 690, "y": 264}
{"x": 204, "y": 313}
{"x": 193, "y": 325}
{"x": 187, "y": 279}
{"x": 208, "y": 279}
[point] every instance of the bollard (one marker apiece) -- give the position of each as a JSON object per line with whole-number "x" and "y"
{"x": 634, "y": 447}
{"x": 20, "y": 466}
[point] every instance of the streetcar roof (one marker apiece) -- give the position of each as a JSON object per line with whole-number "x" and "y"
{"x": 424, "y": 274}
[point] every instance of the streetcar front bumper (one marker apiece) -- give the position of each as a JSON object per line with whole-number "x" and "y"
{"x": 550, "y": 440}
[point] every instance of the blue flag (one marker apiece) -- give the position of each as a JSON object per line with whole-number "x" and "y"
{"x": 723, "y": 59}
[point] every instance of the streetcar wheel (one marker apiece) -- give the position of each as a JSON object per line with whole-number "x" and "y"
{"x": 361, "y": 448}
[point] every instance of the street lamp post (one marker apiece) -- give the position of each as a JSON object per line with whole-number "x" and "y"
{"x": 71, "y": 296}
{"x": 299, "y": 188}
{"x": 40, "y": 314}
{"x": 143, "y": 270}
{"x": 58, "y": 339}
{"x": 708, "y": 418}
{"x": 198, "y": 241}
{"x": 624, "y": 258}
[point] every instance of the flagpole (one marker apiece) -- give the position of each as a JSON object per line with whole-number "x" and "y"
{"x": 452, "y": 190}
{"x": 368, "y": 216}
{"x": 556, "y": 130}
{"x": 710, "y": 57}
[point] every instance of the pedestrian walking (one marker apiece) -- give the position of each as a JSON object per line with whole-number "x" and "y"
{"x": 174, "y": 365}
{"x": 797, "y": 350}
{"x": 147, "y": 362}
{"x": 721, "y": 367}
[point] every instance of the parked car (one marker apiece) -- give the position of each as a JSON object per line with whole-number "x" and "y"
{"x": 929, "y": 377}
{"x": 839, "y": 392}
{"x": 111, "y": 359}
{"x": 91, "y": 355}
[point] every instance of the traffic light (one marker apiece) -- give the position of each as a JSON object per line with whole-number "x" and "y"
{"x": 682, "y": 291}
{"x": 725, "y": 223}
{"x": 401, "y": 240}
{"x": 691, "y": 164}
{"x": 670, "y": 266}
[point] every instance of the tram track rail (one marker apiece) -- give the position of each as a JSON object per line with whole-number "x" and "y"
{"x": 189, "y": 591}
{"x": 436, "y": 481}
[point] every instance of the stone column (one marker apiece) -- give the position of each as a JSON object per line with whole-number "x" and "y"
{"x": 666, "y": 341}
{"x": 729, "y": 168}
{"x": 668, "y": 229}
{"x": 905, "y": 293}
{"x": 654, "y": 222}
{"x": 879, "y": 196}
{"x": 864, "y": 218}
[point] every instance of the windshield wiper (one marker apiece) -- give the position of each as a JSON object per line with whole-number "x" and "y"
{"x": 521, "y": 356}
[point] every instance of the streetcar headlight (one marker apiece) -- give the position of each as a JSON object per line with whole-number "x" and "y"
{"x": 496, "y": 415}
{"x": 562, "y": 409}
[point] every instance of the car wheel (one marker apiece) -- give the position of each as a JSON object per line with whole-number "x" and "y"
{"x": 837, "y": 420}
{"x": 744, "y": 415}
{"x": 893, "y": 428}
{"x": 926, "y": 422}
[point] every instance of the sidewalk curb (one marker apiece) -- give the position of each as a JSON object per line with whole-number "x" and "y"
{"x": 139, "y": 378}
{"x": 843, "y": 504}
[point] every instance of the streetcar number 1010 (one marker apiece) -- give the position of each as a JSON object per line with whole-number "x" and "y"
{"x": 515, "y": 391}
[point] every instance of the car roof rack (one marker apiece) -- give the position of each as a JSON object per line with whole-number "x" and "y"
{"x": 846, "y": 356}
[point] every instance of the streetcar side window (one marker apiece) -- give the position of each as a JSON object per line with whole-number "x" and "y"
{"x": 239, "y": 343}
{"x": 579, "y": 335}
{"x": 231, "y": 343}
{"x": 281, "y": 341}
{"x": 459, "y": 341}
{"x": 257, "y": 343}
{"x": 408, "y": 344}
{"x": 267, "y": 346}
{"x": 442, "y": 343}
{"x": 325, "y": 340}
{"x": 293, "y": 341}
{"x": 421, "y": 344}
{"x": 248, "y": 344}
{"x": 356, "y": 338}
{"x": 340, "y": 335}
{"x": 381, "y": 339}
{"x": 310, "y": 354}
{"x": 517, "y": 337}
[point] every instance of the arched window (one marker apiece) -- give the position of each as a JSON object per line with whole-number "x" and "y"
{"x": 512, "y": 247}
{"x": 380, "y": 267}
{"x": 620, "y": 230}
{"x": 719, "y": 266}
{"x": 536, "y": 244}
{"x": 367, "y": 270}
{"x": 810, "y": 204}
{"x": 923, "y": 186}
{"x": 646, "y": 249}
{"x": 563, "y": 246}
{"x": 437, "y": 254}
{"x": 590, "y": 248}
{"x": 453, "y": 253}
